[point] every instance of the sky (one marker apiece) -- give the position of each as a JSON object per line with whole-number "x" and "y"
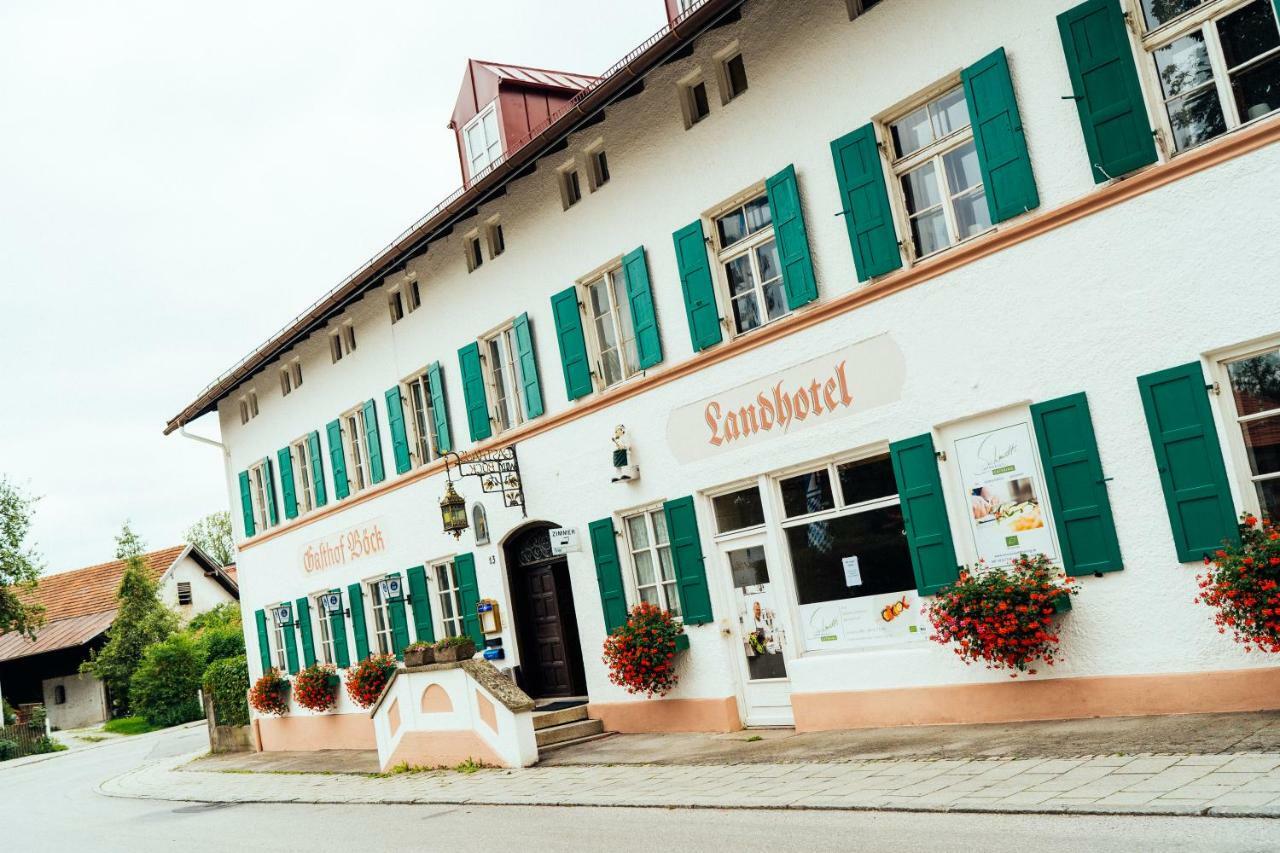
{"x": 179, "y": 180}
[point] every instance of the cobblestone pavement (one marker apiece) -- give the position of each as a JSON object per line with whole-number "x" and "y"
{"x": 1225, "y": 785}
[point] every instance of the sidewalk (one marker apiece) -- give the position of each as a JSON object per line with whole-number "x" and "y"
{"x": 1244, "y": 784}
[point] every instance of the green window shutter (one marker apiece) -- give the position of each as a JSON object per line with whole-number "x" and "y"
{"x": 399, "y": 438}
{"x": 264, "y": 639}
{"x": 399, "y": 621}
{"x": 528, "y": 361}
{"x": 473, "y": 392}
{"x": 1104, "y": 83}
{"x": 1189, "y": 459}
{"x": 644, "y": 319}
{"x": 573, "y": 344}
{"x": 317, "y": 469}
{"x": 371, "y": 436}
{"x": 338, "y": 630}
{"x": 439, "y": 411}
{"x": 291, "y": 645}
{"x": 304, "y": 624}
{"x": 423, "y": 627}
{"x": 464, "y": 565}
{"x": 792, "y": 238}
{"x": 246, "y": 504}
{"x": 287, "y": 490}
{"x": 613, "y": 596}
{"x": 1001, "y": 145}
{"x": 271, "y": 492}
{"x": 924, "y": 512}
{"x": 686, "y": 552}
{"x": 338, "y": 461}
{"x": 697, "y": 287}
{"x": 355, "y": 599}
{"x": 1076, "y": 486}
{"x": 865, "y": 201}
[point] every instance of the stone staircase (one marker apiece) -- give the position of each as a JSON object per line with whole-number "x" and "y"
{"x": 565, "y": 727}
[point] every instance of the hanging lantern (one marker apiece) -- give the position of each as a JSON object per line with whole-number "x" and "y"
{"x": 453, "y": 508}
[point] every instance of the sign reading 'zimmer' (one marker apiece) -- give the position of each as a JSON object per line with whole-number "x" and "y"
{"x": 854, "y": 379}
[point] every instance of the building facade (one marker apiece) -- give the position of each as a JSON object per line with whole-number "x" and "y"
{"x": 867, "y": 291}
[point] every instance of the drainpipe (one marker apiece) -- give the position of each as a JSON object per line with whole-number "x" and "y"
{"x": 182, "y": 430}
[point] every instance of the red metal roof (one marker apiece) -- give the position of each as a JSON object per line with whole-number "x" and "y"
{"x": 60, "y": 634}
{"x": 537, "y": 76}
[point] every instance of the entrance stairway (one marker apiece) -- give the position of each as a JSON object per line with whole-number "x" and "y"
{"x": 565, "y": 727}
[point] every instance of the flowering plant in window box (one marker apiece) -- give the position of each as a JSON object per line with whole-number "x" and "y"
{"x": 270, "y": 693}
{"x": 1003, "y": 617}
{"x": 641, "y": 652}
{"x": 455, "y": 648}
{"x": 316, "y": 687}
{"x": 366, "y": 679}
{"x": 419, "y": 654}
{"x": 1242, "y": 582}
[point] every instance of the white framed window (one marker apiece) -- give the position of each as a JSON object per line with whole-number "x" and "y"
{"x": 503, "y": 377}
{"x": 474, "y": 251}
{"x": 732, "y": 73}
{"x": 597, "y": 168}
{"x": 747, "y": 257}
{"x": 938, "y": 176}
{"x": 425, "y": 442}
{"x": 570, "y": 185}
{"x": 324, "y": 629}
{"x": 653, "y": 571}
{"x": 245, "y": 414}
{"x": 290, "y": 377}
{"x": 286, "y": 382}
{"x": 685, "y": 6}
{"x": 342, "y": 342}
{"x": 483, "y": 140}
{"x": 449, "y": 596}
{"x": 395, "y": 305}
{"x": 303, "y": 465}
{"x": 381, "y": 618}
{"x": 355, "y": 447}
{"x": 1216, "y": 63}
{"x": 497, "y": 239}
{"x": 611, "y": 327}
{"x": 260, "y": 493}
{"x": 738, "y": 510}
{"x": 1251, "y": 397}
{"x": 694, "y": 104}
{"x": 278, "y": 655}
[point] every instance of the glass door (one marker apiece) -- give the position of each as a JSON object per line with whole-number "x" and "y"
{"x": 764, "y": 633}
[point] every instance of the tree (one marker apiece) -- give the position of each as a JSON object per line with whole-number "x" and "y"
{"x": 20, "y": 565}
{"x": 212, "y": 534}
{"x": 164, "y": 689}
{"x": 141, "y": 619}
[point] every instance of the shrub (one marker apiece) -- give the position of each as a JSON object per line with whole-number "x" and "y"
{"x": 46, "y": 744}
{"x": 225, "y": 615}
{"x": 641, "y": 652}
{"x": 1003, "y": 617}
{"x": 8, "y": 716}
{"x": 366, "y": 679}
{"x": 418, "y": 645}
{"x": 268, "y": 695}
{"x": 316, "y": 687}
{"x": 226, "y": 683}
{"x": 450, "y": 642}
{"x": 164, "y": 689}
{"x": 222, "y": 641}
{"x": 8, "y": 749}
{"x": 1242, "y": 582}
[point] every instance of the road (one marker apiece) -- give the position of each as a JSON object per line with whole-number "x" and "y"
{"x": 53, "y": 805}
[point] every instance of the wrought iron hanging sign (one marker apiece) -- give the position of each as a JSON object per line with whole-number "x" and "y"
{"x": 498, "y": 471}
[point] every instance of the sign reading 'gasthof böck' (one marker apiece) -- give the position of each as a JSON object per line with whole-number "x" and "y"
{"x": 344, "y": 547}
{"x": 853, "y": 379}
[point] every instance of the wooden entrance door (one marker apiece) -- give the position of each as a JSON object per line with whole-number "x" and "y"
{"x": 546, "y": 634}
{"x": 545, "y": 621}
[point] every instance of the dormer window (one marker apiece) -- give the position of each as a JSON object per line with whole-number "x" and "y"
{"x": 483, "y": 141}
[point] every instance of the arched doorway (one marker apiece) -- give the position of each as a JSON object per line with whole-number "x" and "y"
{"x": 546, "y": 625}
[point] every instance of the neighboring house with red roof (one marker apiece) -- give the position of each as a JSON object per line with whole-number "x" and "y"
{"x": 79, "y": 606}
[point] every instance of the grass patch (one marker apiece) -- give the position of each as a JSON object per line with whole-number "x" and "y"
{"x": 470, "y": 766}
{"x": 129, "y": 726}
{"x": 91, "y": 738}
{"x": 753, "y": 739}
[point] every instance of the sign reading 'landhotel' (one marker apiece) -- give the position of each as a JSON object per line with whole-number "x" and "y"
{"x": 856, "y": 378}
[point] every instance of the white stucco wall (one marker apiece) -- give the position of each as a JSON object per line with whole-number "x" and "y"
{"x": 1165, "y": 278}
{"x": 206, "y": 593}
{"x": 85, "y": 705}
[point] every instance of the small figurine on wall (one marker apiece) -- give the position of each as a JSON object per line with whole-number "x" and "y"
{"x": 623, "y": 465}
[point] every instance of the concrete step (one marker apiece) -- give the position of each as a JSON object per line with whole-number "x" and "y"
{"x": 576, "y": 730}
{"x": 547, "y": 719}
{"x": 588, "y": 739}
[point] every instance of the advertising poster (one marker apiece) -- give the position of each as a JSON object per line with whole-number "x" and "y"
{"x": 859, "y": 623}
{"x": 1004, "y": 494}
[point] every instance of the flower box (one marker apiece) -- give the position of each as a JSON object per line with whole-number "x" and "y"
{"x": 682, "y": 642}
{"x": 419, "y": 655}
{"x": 333, "y": 681}
{"x": 1062, "y": 603}
{"x": 449, "y": 652}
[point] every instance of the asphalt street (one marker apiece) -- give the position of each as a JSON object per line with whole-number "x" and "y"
{"x": 53, "y": 805}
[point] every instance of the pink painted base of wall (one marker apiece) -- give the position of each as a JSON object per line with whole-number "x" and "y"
{"x": 442, "y": 749}
{"x": 303, "y": 734}
{"x": 668, "y": 715}
{"x": 1047, "y": 699}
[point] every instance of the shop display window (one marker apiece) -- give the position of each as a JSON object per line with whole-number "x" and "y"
{"x": 740, "y": 510}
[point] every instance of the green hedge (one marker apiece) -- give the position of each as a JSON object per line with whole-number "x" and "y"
{"x": 226, "y": 682}
{"x": 165, "y": 687}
